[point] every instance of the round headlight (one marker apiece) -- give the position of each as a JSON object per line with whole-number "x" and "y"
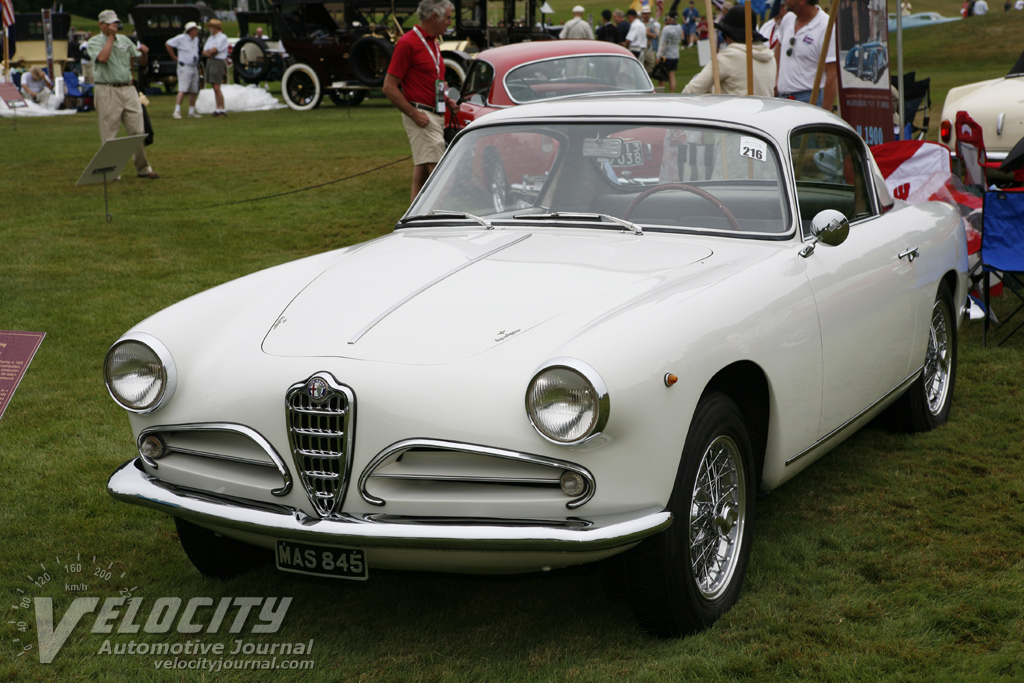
{"x": 567, "y": 402}
{"x": 139, "y": 373}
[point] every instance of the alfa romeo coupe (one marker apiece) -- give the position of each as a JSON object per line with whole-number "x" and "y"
{"x": 684, "y": 300}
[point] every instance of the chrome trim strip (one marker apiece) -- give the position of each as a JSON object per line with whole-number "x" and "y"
{"x": 999, "y": 124}
{"x": 397, "y": 449}
{"x": 843, "y": 427}
{"x": 130, "y": 484}
{"x": 242, "y": 430}
{"x": 430, "y": 284}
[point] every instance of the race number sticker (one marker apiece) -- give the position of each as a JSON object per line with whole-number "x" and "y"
{"x": 752, "y": 148}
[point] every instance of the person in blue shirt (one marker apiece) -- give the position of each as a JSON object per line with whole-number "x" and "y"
{"x": 690, "y": 17}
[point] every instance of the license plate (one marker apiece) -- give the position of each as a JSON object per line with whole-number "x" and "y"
{"x": 632, "y": 155}
{"x": 321, "y": 560}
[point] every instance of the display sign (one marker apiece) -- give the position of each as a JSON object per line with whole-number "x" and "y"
{"x": 865, "y": 93}
{"x": 16, "y": 351}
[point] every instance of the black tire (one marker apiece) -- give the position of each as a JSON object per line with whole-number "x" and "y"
{"x": 300, "y": 87}
{"x": 497, "y": 181}
{"x": 927, "y": 402}
{"x": 347, "y": 98}
{"x": 369, "y": 59}
{"x": 250, "y": 59}
{"x": 218, "y": 556}
{"x": 683, "y": 579}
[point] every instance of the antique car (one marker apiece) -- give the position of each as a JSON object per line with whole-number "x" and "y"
{"x": 611, "y": 369}
{"x": 154, "y": 26}
{"x": 528, "y": 72}
{"x": 868, "y": 62}
{"x": 342, "y": 49}
{"x": 996, "y": 104}
{"x": 29, "y": 45}
{"x": 919, "y": 19}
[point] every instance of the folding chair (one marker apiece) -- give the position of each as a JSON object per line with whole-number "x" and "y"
{"x": 917, "y": 99}
{"x": 1002, "y": 251}
{"x": 970, "y": 148}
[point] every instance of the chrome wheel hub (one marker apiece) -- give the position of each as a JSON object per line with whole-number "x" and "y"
{"x": 717, "y": 517}
{"x": 937, "y": 360}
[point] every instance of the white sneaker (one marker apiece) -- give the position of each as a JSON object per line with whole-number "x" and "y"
{"x": 176, "y": 115}
{"x": 194, "y": 115}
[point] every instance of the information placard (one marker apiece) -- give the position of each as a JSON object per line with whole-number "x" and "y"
{"x": 16, "y": 351}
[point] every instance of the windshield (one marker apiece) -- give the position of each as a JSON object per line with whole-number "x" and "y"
{"x": 659, "y": 176}
{"x": 575, "y": 75}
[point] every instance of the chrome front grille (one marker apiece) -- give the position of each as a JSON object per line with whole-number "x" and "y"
{"x": 320, "y": 414}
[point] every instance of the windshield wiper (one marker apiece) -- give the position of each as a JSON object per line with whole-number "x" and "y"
{"x": 572, "y": 215}
{"x": 447, "y": 214}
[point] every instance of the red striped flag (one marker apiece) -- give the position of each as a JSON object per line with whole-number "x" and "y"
{"x": 8, "y": 12}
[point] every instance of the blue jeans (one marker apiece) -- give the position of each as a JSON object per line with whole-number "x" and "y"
{"x": 804, "y": 96}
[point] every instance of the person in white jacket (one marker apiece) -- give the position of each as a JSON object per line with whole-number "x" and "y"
{"x": 732, "y": 61}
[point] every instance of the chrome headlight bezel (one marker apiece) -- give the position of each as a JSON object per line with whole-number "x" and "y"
{"x": 166, "y": 375}
{"x": 598, "y": 400}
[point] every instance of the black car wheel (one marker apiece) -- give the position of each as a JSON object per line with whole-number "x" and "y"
{"x": 369, "y": 59}
{"x": 347, "y": 98}
{"x": 250, "y": 59}
{"x": 683, "y": 579}
{"x": 218, "y": 556}
{"x": 301, "y": 87}
{"x": 927, "y": 402}
{"x": 497, "y": 181}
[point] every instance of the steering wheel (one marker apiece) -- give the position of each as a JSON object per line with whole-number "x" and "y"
{"x": 685, "y": 188}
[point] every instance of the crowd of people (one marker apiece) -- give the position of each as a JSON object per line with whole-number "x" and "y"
{"x": 786, "y": 42}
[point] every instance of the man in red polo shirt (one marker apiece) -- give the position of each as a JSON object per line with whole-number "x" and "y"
{"x": 415, "y": 84}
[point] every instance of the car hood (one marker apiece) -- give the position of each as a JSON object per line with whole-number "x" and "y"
{"x": 427, "y": 298}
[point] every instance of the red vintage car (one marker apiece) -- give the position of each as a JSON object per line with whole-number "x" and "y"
{"x": 531, "y": 72}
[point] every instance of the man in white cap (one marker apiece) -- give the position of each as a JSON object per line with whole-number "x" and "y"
{"x": 577, "y": 28}
{"x": 184, "y": 49}
{"x": 117, "y": 100}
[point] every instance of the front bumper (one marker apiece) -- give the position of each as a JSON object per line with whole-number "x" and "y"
{"x": 131, "y": 484}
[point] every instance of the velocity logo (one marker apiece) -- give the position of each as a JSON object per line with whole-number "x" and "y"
{"x": 129, "y": 616}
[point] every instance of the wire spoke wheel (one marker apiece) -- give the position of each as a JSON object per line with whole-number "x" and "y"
{"x": 938, "y": 359}
{"x": 683, "y": 579}
{"x": 717, "y": 517}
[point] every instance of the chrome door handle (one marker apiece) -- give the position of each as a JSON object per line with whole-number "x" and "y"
{"x": 911, "y": 254}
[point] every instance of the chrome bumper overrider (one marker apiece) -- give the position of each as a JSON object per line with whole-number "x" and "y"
{"x": 131, "y": 484}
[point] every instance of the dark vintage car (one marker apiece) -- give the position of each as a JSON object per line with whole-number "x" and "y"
{"x": 154, "y": 26}
{"x": 342, "y": 49}
{"x": 868, "y": 62}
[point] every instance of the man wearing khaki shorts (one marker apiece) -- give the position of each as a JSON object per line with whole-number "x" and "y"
{"x": 215, "y": 49}
{"x": 415, "y": 84}
{"x": 117, "y": 100}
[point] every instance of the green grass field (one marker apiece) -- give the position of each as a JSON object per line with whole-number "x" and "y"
{"x": 896, "y": 557}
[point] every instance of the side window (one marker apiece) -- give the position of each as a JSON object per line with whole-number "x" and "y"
{"x": 830, "y": 173}
{"x": 478, "y": 82}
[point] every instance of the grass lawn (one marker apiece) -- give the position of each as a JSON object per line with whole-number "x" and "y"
{"x": 894, "y": 558}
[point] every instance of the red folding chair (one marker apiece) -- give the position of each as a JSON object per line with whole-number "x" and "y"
{"x": 970, "y": 148}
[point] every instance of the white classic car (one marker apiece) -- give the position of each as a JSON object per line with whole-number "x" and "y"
{"x": 686, "y": 299}
{"x": 998, "y": 107}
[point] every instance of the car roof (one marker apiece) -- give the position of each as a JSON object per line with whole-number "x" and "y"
{"x": 776, "y": 117}
{"x": 509, "y": 56}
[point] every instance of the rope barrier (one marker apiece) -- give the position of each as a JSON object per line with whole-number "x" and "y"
{"x": 311, "y": 187}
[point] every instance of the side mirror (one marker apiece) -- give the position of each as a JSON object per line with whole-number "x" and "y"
{"x": 453, "y": 94}
{"x": 830, "y": 227}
